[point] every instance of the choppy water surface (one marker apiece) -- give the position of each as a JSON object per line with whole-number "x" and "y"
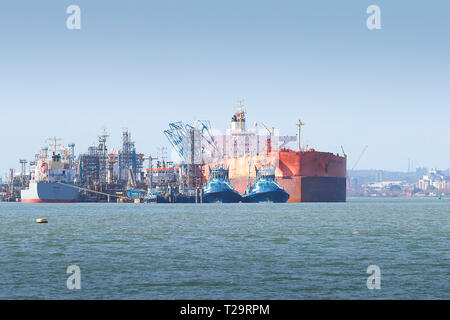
{"x": 239, "y": 251}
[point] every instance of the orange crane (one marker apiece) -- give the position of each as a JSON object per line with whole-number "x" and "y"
{"x": 269, "y": 140}
{"x": 268, "y": 130}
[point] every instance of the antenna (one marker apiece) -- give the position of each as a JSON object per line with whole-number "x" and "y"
{"x": 299, "y": 125}
{"x": 241, "y": 104}
{"x": 102, "y": 140}
{"x": 240, "y": 114}
{"x": 103, "y": 135}
{"x": 23, "y": 164}
{"x": 162, "y": 153}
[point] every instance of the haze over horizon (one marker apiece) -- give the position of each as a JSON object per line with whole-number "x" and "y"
{"x": 144, "y": 64}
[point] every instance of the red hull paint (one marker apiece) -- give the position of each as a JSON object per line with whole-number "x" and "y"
{"x": 311, "y": 164}
{"x": 45, "y": 201}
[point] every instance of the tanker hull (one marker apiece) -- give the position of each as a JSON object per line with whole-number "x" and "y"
{"x": 48, "y": 192}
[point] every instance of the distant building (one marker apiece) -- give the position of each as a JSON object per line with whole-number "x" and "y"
{"x": 423, "y": 184}
{"x": 380, "y": 176}
{"x": 385, "y": 185}
{"x": 434, "y": 180}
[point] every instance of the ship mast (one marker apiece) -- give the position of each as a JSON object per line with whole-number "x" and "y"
{"x": 241, "y": 114}
{"x": 299, "y": 125}
{"x": 54, "y": 140}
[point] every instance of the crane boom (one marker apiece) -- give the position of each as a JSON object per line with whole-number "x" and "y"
{"x": 359, "y": 158}
{"x": 268, "y": 130}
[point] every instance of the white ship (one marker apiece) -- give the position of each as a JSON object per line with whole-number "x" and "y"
{"x": 52, "y": 180}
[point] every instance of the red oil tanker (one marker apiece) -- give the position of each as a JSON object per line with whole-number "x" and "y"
{"x": 307, "y": 175}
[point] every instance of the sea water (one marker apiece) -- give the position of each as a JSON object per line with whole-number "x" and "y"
{"x": 227, "y": 251}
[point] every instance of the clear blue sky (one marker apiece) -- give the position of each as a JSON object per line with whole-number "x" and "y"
{"x": 143, "y": 64}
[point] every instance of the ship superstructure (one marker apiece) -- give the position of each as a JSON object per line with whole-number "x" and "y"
{"x": 306, "y": 175}
{"x": 52, "y": 178}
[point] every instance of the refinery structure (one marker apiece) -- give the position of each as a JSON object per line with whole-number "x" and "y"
{"x": 247, "y": 163}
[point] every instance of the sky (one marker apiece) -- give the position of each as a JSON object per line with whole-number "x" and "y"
{"x": 143, "y": 64}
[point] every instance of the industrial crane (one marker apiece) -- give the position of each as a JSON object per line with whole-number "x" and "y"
{"x": 180, "y": 136}
{"x": 269, "y": 139}
{"x": 356, "y": 163}
{"x": 271, "y": 132}
{"x": 359, "y": 158}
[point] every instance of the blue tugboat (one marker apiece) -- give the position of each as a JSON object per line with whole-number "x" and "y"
{"x": 219, "y": 189}
{"x": 134, "y": 193}
{"x": 265, "y": 188}
{"x": 151, "y": 196}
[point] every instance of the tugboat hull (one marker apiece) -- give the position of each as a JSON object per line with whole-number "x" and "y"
{"x": 227, "y": 196}
{"x": 278, "y": 196}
